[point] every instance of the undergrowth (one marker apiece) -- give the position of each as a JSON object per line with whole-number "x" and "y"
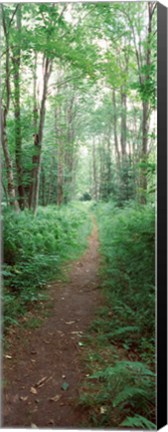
{"x": 120, "y": 391}
{"x": 34, "y": 249}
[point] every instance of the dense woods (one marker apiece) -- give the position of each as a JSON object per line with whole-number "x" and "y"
{"x": 78, "y": 134}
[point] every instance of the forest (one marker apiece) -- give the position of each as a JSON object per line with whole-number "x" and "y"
{"x": 78, "y": 186}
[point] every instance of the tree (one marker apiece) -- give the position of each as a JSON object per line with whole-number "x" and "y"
{"x": 16, "y": 60}
{"x": 6, "y": 22}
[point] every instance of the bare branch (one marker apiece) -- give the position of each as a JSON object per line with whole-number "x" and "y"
{"x": 13, "y": 15}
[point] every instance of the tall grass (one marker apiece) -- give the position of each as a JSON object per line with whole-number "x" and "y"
{"x": 35, "y": 248}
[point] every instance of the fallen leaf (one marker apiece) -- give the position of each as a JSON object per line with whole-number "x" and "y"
{"x": 70, "y": 322}
{"x": 33, "y": 390}
{"x": 65, "y": 386}
{"x": 41, "y": 381}
{"x": 78, "y": 332}
{"x": 103, "y": 410}
{"x": 51, "y": 421}
{"x": 55, "y": 398}
{"x": 34, "y": 410}
{"x": 23, "y": 398}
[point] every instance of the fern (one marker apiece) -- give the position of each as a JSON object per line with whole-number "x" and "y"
{"x": 129, "y": 393}
{"x": 120, "y": 333}
{"x": 127, "y": 388}
{"x": 139, "y": 422}
{"x": 136, "y": 369}
{"x": 34, "y": 249}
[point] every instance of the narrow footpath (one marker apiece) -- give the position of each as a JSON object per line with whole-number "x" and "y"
{"x": 43, "y": 367}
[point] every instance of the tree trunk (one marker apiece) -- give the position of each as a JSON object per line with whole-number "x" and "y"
{"x": 145, "y": 115}
{"x": 34, "y": 189}
{"x": 5, "y": 191}
{"x": 123, "y": 122}
{"x": 9, "y": 167}
{"x": 115, "y": 128}
{"x": 35, "y": 125}
{"x": 35, "y": 108}
{"x": 69, "y": 150}
{"x": 109, "y": 165}
{"x": 3, "y": 119}
{"x": 51, "y": 181}
{"x": 43, "y": 186}
{"x": 18, "y": 137}
{"x": 143, "y": 173}
{"x": 95, "y": 191}
{"x": 60, "y": 177}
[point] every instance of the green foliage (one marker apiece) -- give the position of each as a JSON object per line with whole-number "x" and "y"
{"x": 139, "y": 422}
{"x": 34, "y": 249}
{"x": 128, "y": 247}
{"x": 126, "y": 384}
{"x": 125, "y": 388}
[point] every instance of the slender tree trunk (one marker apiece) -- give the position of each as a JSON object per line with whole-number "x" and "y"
{"x": 95, "y": 191}
{"x": 109, "y": 167}
{"x": 18, "y": 137}
{"x": 69, "y": 150}
{"x": 43, "y": 181}
{"x": 35, "y": 125}
{"x": 60, "y": 159}
{"x": 35, "y": 108}
{"x": 101, "y": 182}
{"x": 51, "y": 180}
{"x": 115, "y": 128}
{"x": 145, "y": 113}
{"x": 123, "y": 122}
{"x": 34, "y": 190}
{"x": 3, "y": 120}
{"x": 9, "y": 166}
{"x": 143, "y": 173}
{"x": 60, "y": 175}
{"x": 5, "y": 191}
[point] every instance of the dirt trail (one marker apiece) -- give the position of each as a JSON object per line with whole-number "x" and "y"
{"x": 53, "y": 353}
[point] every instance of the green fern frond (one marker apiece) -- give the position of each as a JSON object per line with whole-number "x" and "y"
{"x": 139, "y": 422}
{"x": 124, "y": 367}
{"x": 129, "y": 393}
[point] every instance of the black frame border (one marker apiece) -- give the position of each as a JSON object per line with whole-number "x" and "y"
{"x": 162, "y": 71}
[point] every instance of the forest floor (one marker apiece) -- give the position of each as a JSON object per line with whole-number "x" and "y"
{"x": 43, "y": 364}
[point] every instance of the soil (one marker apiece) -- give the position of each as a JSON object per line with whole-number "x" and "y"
{"x": 39, "y": 361}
